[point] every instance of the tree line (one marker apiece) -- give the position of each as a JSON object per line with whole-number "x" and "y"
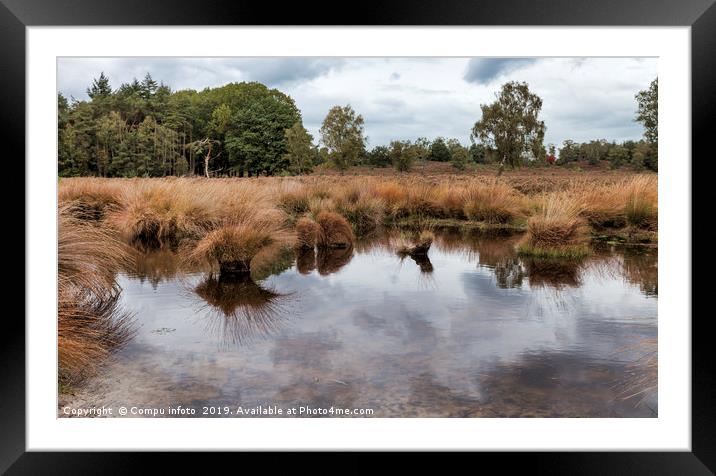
{"x": 144, "y": 129}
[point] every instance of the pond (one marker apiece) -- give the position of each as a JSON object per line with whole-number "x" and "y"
{"x": 471, "y": 331}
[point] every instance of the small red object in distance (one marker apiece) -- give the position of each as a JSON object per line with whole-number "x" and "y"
{"x": 551, "y": 159}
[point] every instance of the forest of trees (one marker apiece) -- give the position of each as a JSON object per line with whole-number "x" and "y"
{"x": 144, "y": 129}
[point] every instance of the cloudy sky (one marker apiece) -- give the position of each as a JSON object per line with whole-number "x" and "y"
{"x": 406, "y": 98}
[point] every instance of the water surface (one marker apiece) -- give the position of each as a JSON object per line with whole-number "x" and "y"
{"x": 472, "y": 331}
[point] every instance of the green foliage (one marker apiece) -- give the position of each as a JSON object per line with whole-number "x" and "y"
{"x": 300, "y": 152}
{"x": 511, "y": 124}
{"x": 648, "y": 111}
{"x": 595, "y": 151}
{"x": 569, "y": 152}
{"x": 439, "y": 151}
{"x": 403, "y": 154}
{"x": 481, "y": 154}
{"x": 145, "y": 129}
{"x": 379, "y": 157}
{"x": 422, "y": 149}
{"x": 342, "y": 134}
{"x": 645, "y": 155}
{"x": 637, "y": 155}
{"x": 459, "y": 155}
{"x": 618, "y": 156}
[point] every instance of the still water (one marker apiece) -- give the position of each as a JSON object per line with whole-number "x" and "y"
{"x": 472, "y": 331}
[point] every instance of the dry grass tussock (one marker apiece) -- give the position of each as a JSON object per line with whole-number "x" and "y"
{"x": 90, "y": 324}
{"x": 495, "y": 202}
{"x": 557, "y": 230}
{"x": 90, "y": 198}
{"x": 632, "y": 201}
{"x": 162, "y": 212}
{"x": 234, "y": 245}
{"x": 335, "y": 231}
{"x": 307, "y": 232}
{"x": 414, "y": 244}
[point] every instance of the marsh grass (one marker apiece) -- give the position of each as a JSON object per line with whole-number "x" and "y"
{"x": 495, "y": 202}
{"x": 90, "y": 324}
{"x": 90, "y": 199}
{"x": 335, "y": 231}
{"x": 164, "y": 212}
{"x": 557, "y": 230}
{"x": 641, "y": 202}
{"x": 630, "y": 201}
{"x": 643, "y": 372}
{"x": 414, "y": 244}
{"x": 307, "y": 231}
{"x": 234, "y": 245}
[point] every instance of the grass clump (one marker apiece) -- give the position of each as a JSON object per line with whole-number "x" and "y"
{"x": 630, "y": 201}
{"x": 416, "y": 244}
{"x": 556, "y": 231}
{"x": 157, "y": 214}
{"x": 335, "y": 231}
{"x": 641, "y": 201}
{"x": 495, "y": 202}
{"x": 364, "y": 213}
{"x": 307, "y": 232}
{"x": 89, "y": 199}
{"x": 451, "y": 201}
{"x": 295, "y": 202}
{"x": 90, "y": 324}
{"x": 234, "y": 245}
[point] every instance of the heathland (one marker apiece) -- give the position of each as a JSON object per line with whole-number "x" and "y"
{"x": 230, "y": 224}
{"x": 229, "y": 179}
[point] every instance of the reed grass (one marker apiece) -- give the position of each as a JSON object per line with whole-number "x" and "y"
{"x": 89, "y": 322}
{"x": 307, "y": 232}
{"x": 557, "y": 230}
{"x": 234, "y": 245}
{"x": 496, "y": 202}
{"x": 335, "y": 231}
{"x": 414, "y": 244}
{"x": 167, "y": 212}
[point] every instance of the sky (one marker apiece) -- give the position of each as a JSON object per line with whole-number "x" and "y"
{"x": 407, "y": 98}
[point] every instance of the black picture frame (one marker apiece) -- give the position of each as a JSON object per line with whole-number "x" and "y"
{"x": 700, "y": 15}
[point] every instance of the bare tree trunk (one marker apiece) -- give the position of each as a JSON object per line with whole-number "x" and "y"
{"x": 206, "y": 161}
{"x": 501, "y": 168}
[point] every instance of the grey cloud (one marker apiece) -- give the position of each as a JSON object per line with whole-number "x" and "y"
{"x": 280, "y": 71}
{"x": 583, "y": 98}
{"x": 484, "y": 70}
{"x": 75, "y": 74}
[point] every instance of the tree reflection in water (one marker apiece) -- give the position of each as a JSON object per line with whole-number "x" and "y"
{"x": 496, "y": 253}
{"x": 242, "y": 309}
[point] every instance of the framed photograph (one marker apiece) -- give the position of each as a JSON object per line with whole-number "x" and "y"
{"x": 431, "y": 228}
